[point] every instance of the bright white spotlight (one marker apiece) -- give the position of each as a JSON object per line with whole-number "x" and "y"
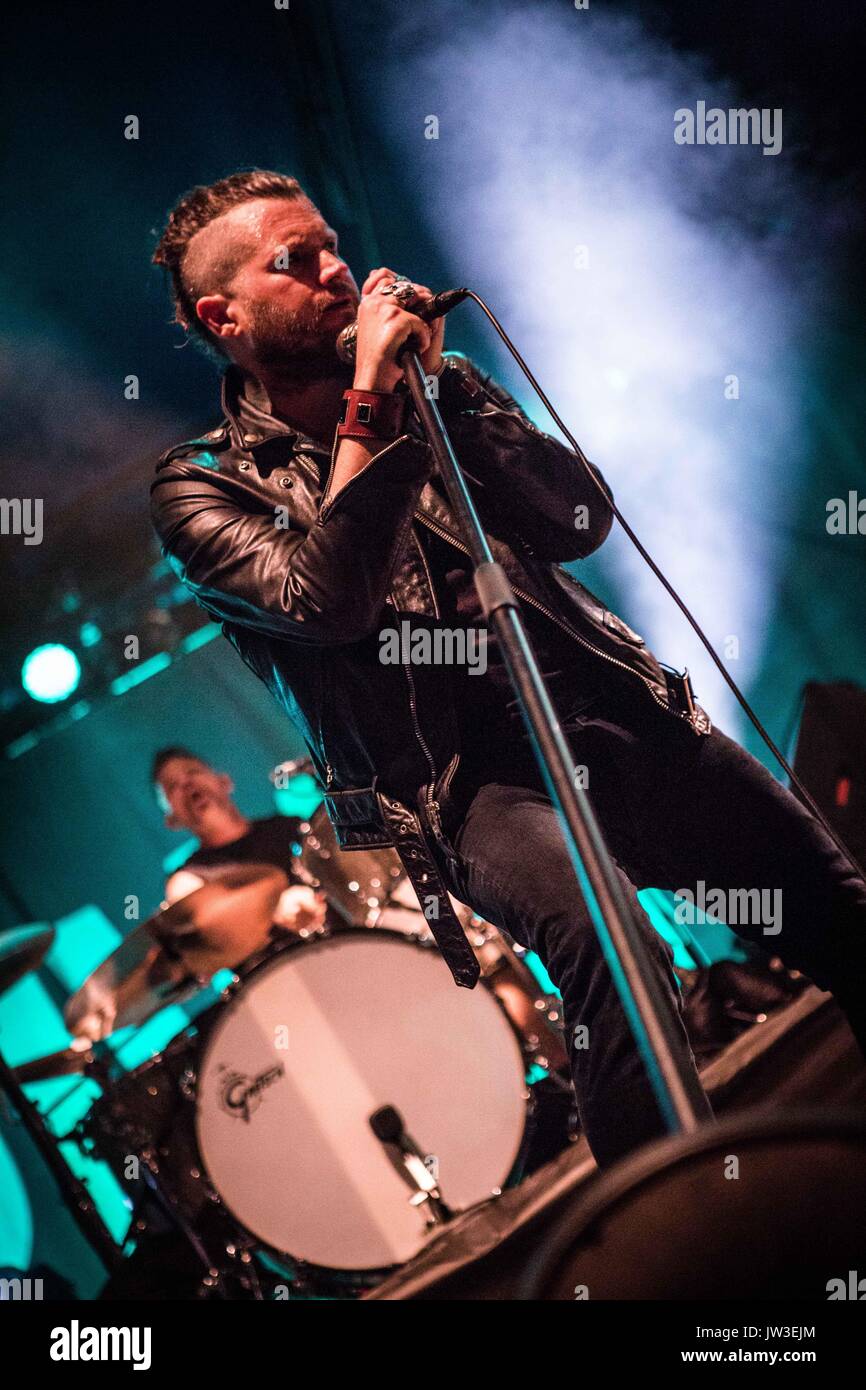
{"x": 50, "y": 673}
{"x": 659, "y": 291}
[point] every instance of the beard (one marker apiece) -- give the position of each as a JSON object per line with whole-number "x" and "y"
{"x": 299, "y": 345}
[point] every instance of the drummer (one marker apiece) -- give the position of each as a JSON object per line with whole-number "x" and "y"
{"x": 198, "y": 799}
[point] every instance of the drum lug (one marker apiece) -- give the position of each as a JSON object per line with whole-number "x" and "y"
{"x": 187, "y": 1084}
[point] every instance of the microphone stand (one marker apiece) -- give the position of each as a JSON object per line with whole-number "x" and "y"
{"x": 649, "y": 1012}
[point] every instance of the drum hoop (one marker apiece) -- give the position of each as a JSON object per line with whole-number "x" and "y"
{"x": 320, "y": 939}
{"x": 275, "y": 950}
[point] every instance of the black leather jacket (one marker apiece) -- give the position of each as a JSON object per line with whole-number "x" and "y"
{"x": 303, "y": 582}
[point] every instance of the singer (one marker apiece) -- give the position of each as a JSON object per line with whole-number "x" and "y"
{"x": 311, "y": 519}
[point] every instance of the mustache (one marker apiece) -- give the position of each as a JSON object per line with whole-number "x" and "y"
{"x": 298, "y": 323}
{"x": 325, "y": 304}
{"x": 300, "y": 342}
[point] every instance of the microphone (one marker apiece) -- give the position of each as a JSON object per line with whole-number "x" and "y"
{"x": 441, "y": 303}
{"x": 389, "y": 1128}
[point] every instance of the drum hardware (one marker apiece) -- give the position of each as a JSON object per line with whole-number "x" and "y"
{"x": 98, "y": 1070}
{"x": 187, "y": 1083}
{"x": 388, "y": 1126}
{"x": 21, "y": 951}
{"x": 374, "y": 1026}
{"x": 140, "y": 1115}
{"x": 75, "y": 1060}
{"x": 224, "y": 1254}
{"x": 212, "y": 1277}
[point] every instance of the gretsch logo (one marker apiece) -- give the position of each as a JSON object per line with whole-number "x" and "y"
{"x": 240, "y": 1094}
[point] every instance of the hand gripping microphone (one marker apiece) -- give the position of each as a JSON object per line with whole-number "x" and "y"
{"x": 441, "y": 303}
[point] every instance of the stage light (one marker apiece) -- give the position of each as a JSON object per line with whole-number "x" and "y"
{"x": 51, "y": 673}
{"x": 667, "y": 327}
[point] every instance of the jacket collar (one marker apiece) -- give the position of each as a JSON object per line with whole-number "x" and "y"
{"x": 247, "y": 407}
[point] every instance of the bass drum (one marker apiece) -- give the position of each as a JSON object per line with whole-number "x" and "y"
{"x": 317, "y": 1040}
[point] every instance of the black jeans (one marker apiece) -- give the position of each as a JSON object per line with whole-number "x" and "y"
{"x": 677, "y": 811}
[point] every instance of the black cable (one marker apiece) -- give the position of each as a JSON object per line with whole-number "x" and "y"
{"x": 805, "y": 796}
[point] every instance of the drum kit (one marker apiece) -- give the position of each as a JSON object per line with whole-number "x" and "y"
{"x": 337, "y": 1104}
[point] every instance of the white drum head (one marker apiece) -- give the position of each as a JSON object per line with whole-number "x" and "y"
{"x": 318, "y": 1040}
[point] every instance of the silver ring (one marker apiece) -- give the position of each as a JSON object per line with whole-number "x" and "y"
{"x": 402, "y": 289}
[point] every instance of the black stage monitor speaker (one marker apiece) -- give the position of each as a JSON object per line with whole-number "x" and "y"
{"x": 831, "y": 757}
{"x": 758, "y": 1206}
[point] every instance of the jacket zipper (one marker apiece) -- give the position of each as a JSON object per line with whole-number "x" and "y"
{"x": 433, "y": 811}
{"x": 434, "y": 816}
{"x": 542, "y": 608}
{"x": 413, "y": 706}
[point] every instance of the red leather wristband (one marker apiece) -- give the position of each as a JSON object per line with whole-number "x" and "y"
{"x": 372, "y": 415}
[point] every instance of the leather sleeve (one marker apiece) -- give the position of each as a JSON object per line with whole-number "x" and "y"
{"x": 328, "y": 586}
{"x": 526, "y": 482}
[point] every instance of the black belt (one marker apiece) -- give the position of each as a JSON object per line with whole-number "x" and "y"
{"x": 408, "y": 838}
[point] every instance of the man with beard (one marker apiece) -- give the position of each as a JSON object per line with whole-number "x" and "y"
{"x": 311, "y": 520}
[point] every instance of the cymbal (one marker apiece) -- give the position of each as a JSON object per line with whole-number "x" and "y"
{"x": 218, "y": 925}
{"x": 22, "y": 949}
{"x": 357, "y": 884}
{"x": 171, "y": 956}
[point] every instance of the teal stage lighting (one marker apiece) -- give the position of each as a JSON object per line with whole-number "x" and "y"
{"x": 51, "y": 673}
